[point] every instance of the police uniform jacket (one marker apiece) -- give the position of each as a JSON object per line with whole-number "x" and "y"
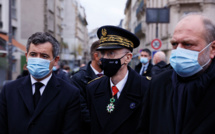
{"x": 58, "y": 110}
{"x": 80, "y": 80}
{"x": 145, "y": 73}
{"x": 182, "y": 106}
{"x": 125, "y": 117}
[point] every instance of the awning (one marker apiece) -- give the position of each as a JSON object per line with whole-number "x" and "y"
{"x": 14, "y": 42}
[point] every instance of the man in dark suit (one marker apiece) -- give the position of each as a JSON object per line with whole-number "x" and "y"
{"x": 80, "y": 79}
{"x": 40, "y": 103}
{"x": 116, "y": 100}
{"x": 145, "y": 65}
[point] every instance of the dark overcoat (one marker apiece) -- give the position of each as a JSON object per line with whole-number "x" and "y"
{"x": 162, "y": 121}
{"x": 125, "y": 117}
{"x": 58, "y": 110}
{"x": 80, "y": 80}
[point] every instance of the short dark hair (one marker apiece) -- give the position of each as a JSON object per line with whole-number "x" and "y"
{"x": 93, "y": 48}
{"x": 146, "y": 50}
{"x": 43, "y": 37}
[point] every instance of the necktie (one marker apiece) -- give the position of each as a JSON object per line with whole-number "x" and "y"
{"x": 37, "y": 95}
{"x": 114, "y": 90}
{"x": 143, "y": 71}
{"x": 99, "y": 75}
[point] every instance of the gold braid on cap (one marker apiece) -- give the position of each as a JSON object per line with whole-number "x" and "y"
{"x": 115, "y": 39}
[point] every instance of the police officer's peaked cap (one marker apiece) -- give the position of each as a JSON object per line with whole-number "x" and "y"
{"x": 112, "y": 37}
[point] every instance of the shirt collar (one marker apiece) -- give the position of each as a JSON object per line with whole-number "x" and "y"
{"x": 145, "y": 65}
{"x": 95, "y": 71}
{"x": 120, "y": 85}
{"x": 44, "y": 81}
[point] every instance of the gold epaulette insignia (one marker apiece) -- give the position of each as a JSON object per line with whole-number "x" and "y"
{"x": 148, "y": 78}
{"x": 95, "y": 79}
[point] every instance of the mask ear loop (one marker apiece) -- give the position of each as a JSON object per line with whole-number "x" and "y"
{"x": 203, "y": 50}
{"x": 122, "y": 57}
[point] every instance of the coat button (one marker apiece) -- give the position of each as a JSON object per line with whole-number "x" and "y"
{"x": 132, "y": 105}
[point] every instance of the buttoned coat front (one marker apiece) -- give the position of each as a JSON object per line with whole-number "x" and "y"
{"x": 58, "y": 110}
{"x": 125, "y": 117}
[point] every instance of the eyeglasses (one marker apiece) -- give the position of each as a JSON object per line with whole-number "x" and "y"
{"x": 111, "y": 54}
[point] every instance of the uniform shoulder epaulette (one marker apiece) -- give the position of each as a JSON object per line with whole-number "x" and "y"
{"x": 148, "y": 77}
{"x": 95, "y": 79}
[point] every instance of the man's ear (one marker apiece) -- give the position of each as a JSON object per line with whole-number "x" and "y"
{"x": 128, "y": 58}
{"x": 212, "y": 53}
{"x": 56, "y": 60}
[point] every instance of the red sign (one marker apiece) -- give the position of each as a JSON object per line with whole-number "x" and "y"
{"x": 156, "y": 44}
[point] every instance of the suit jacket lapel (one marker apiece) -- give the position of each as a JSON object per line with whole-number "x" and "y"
{"x": 102, "y": 99}
{"x": 25, "y": 90}
{"x": 129, "y": 100}
{"x": 51, "y": 90}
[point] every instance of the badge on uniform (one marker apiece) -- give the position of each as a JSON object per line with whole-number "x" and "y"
{"x": 111, "y": 106}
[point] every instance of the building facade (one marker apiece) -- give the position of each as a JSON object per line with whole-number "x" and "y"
{"x": 75, "y": 34}
{"x": 135, "y": 19}
{"x": 65, "y": 21}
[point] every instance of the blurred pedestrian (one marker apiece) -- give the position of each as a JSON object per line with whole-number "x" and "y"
{"x": 60, "y": 72}
{"x": 182, "y": 99}
{"x": 40, "y": 103}
{"x": 24, "y": 72}
{"x": 116, "y": 99}
{"x": 159, "y": 60}
{"x": 87, "y": 73}
{"x": 145, "y": 65}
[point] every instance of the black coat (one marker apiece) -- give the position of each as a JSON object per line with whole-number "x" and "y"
{"x": 58, "y": 110}
{"x": 162, "y": 103}
{"x": 158, "y": 68}
{"x": 148, "y": 70}
{"x": 124, "y": 118}
{"x": 62, "y": 74}
{"x": 80, "y": 80}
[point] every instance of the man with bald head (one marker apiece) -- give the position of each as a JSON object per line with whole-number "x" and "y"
{"x": 182, "y": 99}
{"x": 159, "y": 61}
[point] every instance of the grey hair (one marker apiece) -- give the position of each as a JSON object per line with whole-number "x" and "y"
{"x": 43, "y": 37}
{"x": 209, "y": 26}
{"x": 209, "y": 30}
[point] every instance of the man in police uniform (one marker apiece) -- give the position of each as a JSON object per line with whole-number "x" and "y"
{"x": 116, "y": 100}
{"x": 87, "y": 73}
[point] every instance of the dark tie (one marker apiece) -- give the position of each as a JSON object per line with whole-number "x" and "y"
{"x": 143, "y": 71}
{"x": 37, "y": 95}
{"x": 99, "y": 75}
{"x": 115, "y": 91}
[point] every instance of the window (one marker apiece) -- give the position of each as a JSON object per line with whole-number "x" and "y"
{"x": 13, "y": 9}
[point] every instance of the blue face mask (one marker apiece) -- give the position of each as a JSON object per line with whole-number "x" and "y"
{"x": 38, "y": 68}
{"x": 54, "y": 68}
{"x": 144, "y": 60}
{"x": 185, "y": 62}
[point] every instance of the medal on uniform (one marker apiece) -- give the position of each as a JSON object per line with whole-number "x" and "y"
{"x": 111, "y": 106}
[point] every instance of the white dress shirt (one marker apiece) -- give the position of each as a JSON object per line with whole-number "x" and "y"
{"x": 120, "y": 85}
{"x": 44, "y": 81}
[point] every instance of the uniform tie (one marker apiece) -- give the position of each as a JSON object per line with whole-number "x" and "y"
{"x": 114, "y": 90}
{"x": 37, "y": 95}
{"x": 99, "y": 74}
